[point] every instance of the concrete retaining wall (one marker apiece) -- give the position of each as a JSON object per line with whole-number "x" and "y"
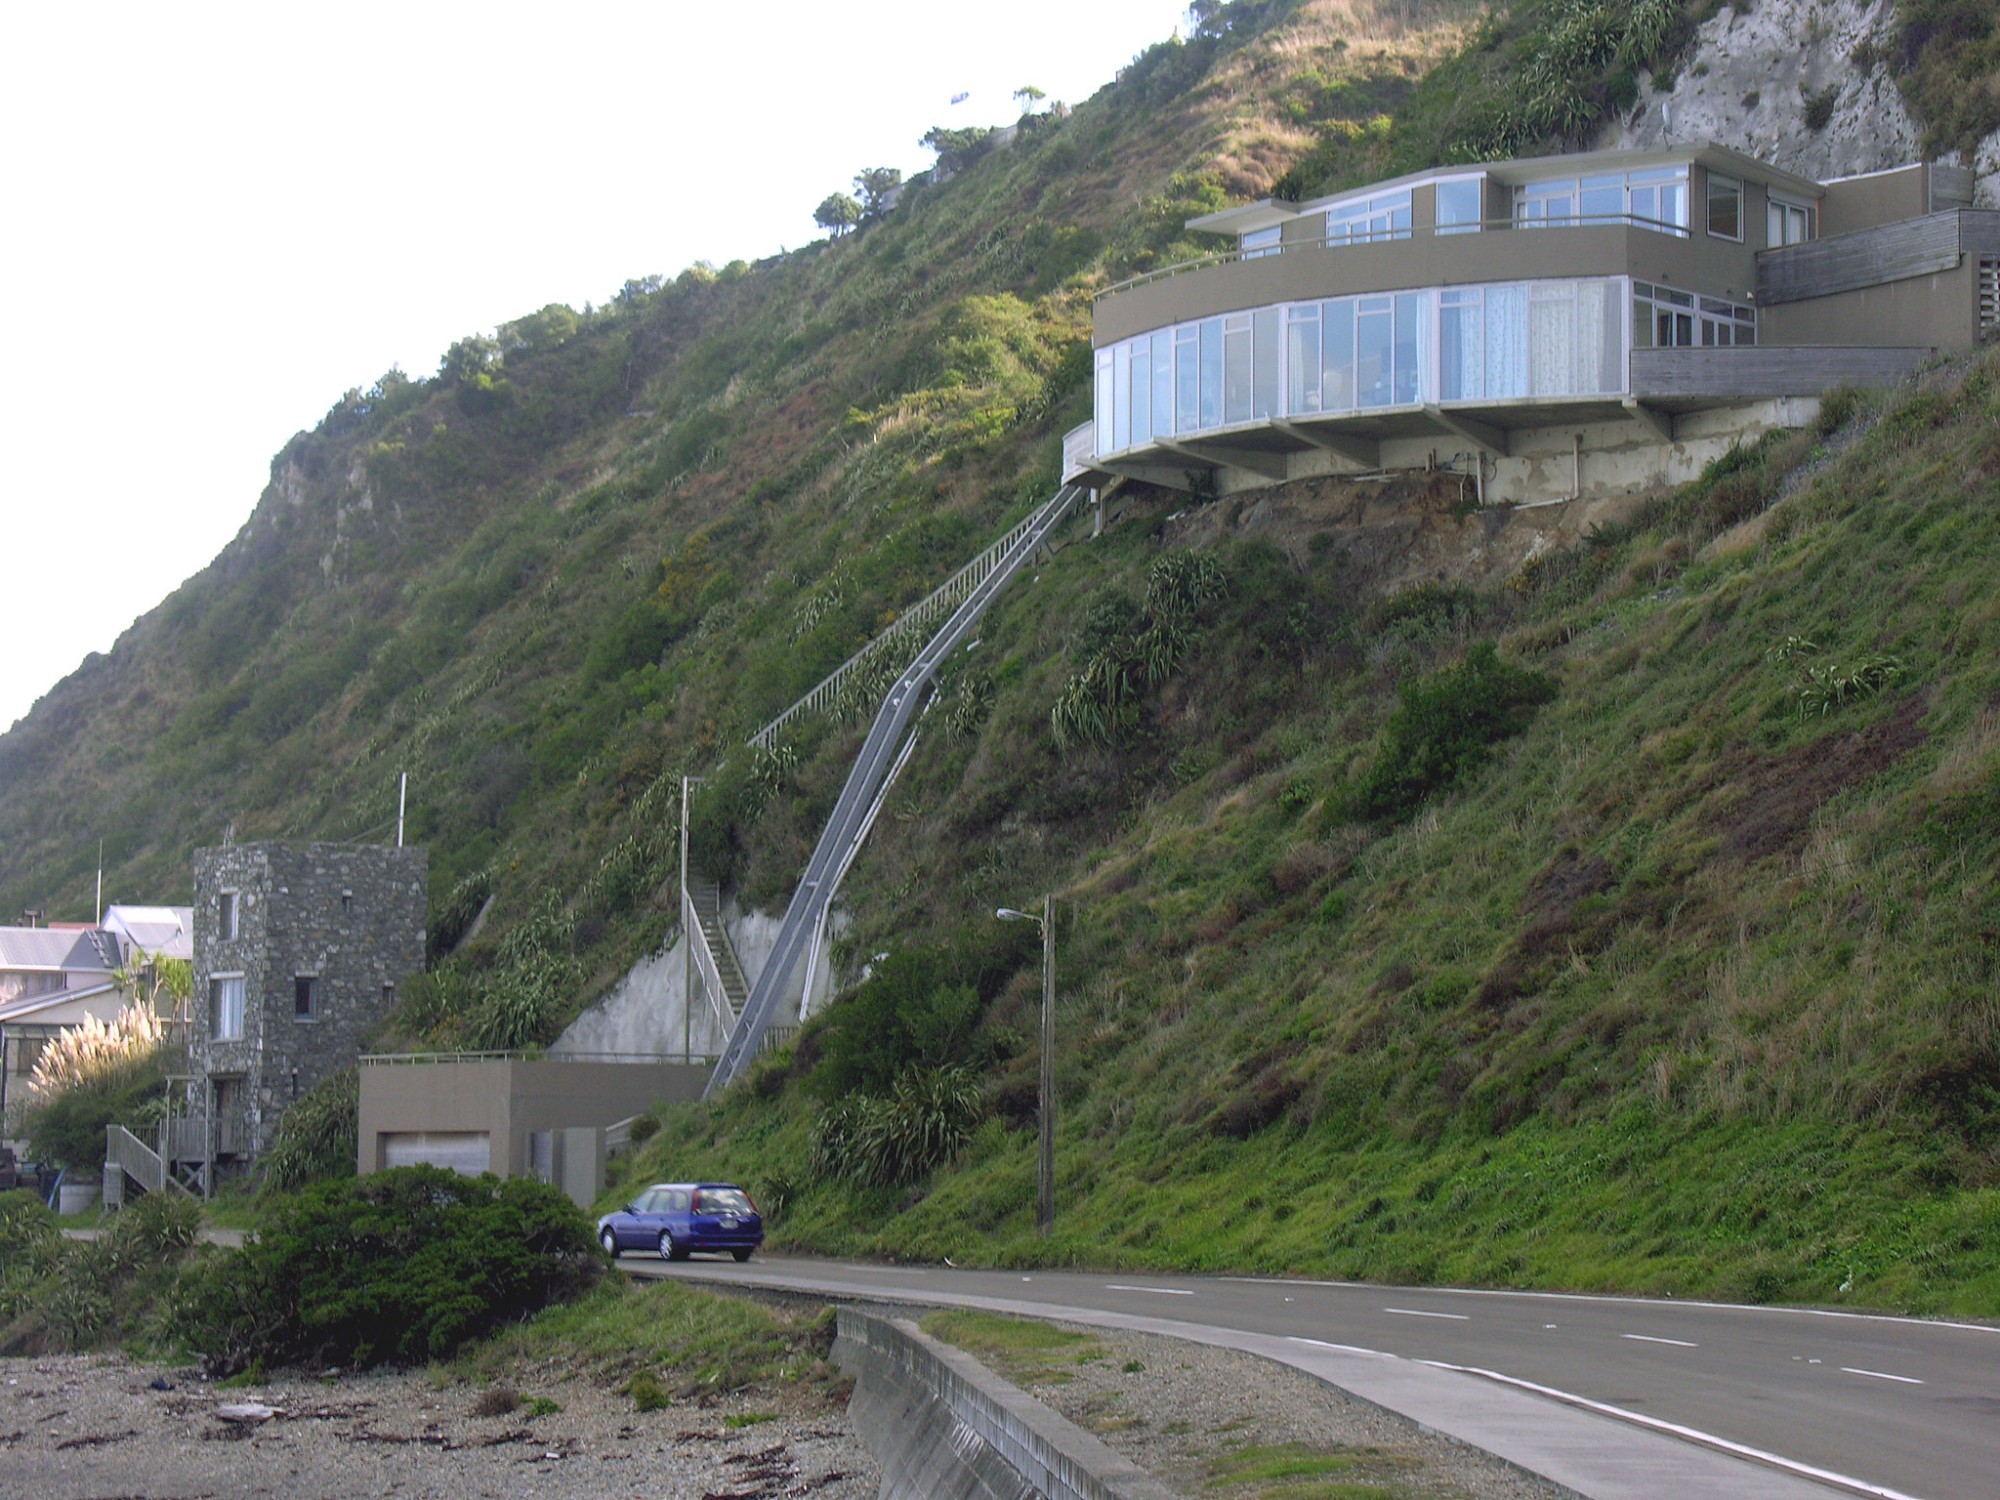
{"x": 946, "y": 1428}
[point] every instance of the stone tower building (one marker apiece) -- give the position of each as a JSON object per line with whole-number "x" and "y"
{"x": 299, "y": 951}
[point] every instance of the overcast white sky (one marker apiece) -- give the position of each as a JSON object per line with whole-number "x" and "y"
{"x": 219, "y": 217}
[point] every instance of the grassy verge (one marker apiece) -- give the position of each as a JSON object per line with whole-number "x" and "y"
{"x": 660, "y": 1341}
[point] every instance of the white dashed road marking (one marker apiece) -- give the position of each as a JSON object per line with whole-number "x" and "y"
{"x": 1157, "y": 1291}
{"x": 1647, "y": 1338}
{"x": 1411, "y": 1312}
{"x": 1878, "y": 1375}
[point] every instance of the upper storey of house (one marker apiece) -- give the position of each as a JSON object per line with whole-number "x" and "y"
{"x": 1467, "y": 305}
{"x": 1697, "y": 218}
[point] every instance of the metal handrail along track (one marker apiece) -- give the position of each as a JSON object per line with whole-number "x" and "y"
{"x": 848, "y": 825}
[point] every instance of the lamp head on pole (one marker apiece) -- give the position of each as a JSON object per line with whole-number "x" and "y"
{"x": 1008, "y": 914}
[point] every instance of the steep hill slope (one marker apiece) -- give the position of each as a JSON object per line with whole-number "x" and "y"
{"x": 596, "y": 551}
{"x": 1622, "y": 918}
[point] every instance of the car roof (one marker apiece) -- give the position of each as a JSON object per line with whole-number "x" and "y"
{"x": 655, "y": 1187}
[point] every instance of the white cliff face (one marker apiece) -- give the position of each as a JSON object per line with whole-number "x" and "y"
{"x": 1747, "y": 78}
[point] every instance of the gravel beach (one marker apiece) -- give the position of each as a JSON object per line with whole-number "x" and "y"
{"x": 88, "y": 1427}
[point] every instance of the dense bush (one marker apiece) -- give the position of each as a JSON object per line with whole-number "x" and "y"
{"x": 920, "y": 1008}
{"x": 400, "y": 1266}
{"x": 900, "y": 1138}
{"x": 1445, "y": 725}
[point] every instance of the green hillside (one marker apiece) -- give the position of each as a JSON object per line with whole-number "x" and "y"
{"x": 1627, "y": 921}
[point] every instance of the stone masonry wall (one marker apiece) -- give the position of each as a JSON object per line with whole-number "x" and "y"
{"x": 351, "y": 916}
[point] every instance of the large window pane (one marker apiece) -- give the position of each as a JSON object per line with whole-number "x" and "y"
{"x": 1506, "y": 342}
{"x": 1551, "y": 340}
{"x": 1409, "y": 340}
{"x": 1121, "y": 398}
{"x": 1211, "y": 372}
{"x": 1187, "y": 379}
{"x": 1236, "y": 368}
{"x": 1603, "y": 198}
{"x": 1102, "y": 405}
{"x": 1374, "y": 350}
{"x": 1337, "y": 384}
{"x": 1302, "y": 351}
{"x": 1265, "y": 389}
{"x": 1459, "y": 205}
{"x": 1461, "y": 346}
{"x": 1725, "y": 207}
{"x": 1142, "y": 392}
{"x": 1163, "y": 384}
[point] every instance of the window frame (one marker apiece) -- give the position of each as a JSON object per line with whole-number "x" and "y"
{"x": 228, "y": 916}
{"x": 1258, "y": 243}
{"x": 1778, "y": 207}
{"x": 1732, "y": 187}
{"x": 1477, "y": 181}
{"x": 305, "y": 997}
{"x": 217, "y": 989}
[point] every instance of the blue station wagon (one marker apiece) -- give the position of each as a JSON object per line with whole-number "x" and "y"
{"x": 679, "y": 1218}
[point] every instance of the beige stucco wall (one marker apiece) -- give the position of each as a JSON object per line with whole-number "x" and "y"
{"x": 1939, "y": 311}
{"x": 508, "y": 1099}
{"x": 1883, "y": 198}
{"x": 1698, "y": 263}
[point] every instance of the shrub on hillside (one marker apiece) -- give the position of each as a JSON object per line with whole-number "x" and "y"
{"x": 401, "y": 1266}
{"x": 893, "y": 1141}
{"x": 1445, "y": 726}
{"x": 319, "y": 1136}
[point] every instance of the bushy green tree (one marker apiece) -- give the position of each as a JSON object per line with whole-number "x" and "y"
{"x": 876, "y": 185}
{"x": 837, "y": 214}
{"x": 397, "y": 1267}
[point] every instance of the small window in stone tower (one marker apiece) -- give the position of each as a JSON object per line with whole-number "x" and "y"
{"x": 225, "y": 916}
{"x": 305, "y": 997}
{"x": 347, "y": 901}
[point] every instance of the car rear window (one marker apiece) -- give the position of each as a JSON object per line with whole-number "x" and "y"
{"x": 722, "y": 1201}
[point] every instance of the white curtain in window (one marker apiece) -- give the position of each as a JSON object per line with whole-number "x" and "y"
{"x": 1551, "y": 339}
{"x": 1506, "y": 342}
{"x": 1461, "y": 351}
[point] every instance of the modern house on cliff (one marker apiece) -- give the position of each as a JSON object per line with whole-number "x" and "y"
{"x": 1582, "y": 324}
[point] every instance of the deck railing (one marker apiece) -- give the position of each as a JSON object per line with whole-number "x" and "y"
{"x": 938, "y": 602}
{"x": 1344, "y": 241}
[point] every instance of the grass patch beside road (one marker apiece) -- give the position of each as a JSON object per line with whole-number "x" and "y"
{"x": 693, "y": 1341}
{"x": 1026, "y": 1352}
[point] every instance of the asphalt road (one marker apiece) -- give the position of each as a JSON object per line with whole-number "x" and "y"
{"x": 1859, "y": 1404}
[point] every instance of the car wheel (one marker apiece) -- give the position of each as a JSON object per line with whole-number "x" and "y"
{"x": 668, "y": 1249}
{"x": 741, "y": 1255}
{"x": 609, "y": 1241}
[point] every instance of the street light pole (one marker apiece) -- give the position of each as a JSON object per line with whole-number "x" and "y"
{"x": 1045, "y": 1196}
{"x": 1045, "y": 1185}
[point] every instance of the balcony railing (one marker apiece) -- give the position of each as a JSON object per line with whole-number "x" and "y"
{"x": 1344, "y": 240}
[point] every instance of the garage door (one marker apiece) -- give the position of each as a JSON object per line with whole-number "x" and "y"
{"x": 467, "y": 1151}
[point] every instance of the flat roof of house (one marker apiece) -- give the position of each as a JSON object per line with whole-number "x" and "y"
{"x": 1265, "y": 212}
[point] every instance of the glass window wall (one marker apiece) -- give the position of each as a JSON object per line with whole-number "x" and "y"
{"x": 1461, "y": 204}
{"x": 1497, "y": 342}
{"x": 1652, "y": 199}
{"x": 1383, "y": 217}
